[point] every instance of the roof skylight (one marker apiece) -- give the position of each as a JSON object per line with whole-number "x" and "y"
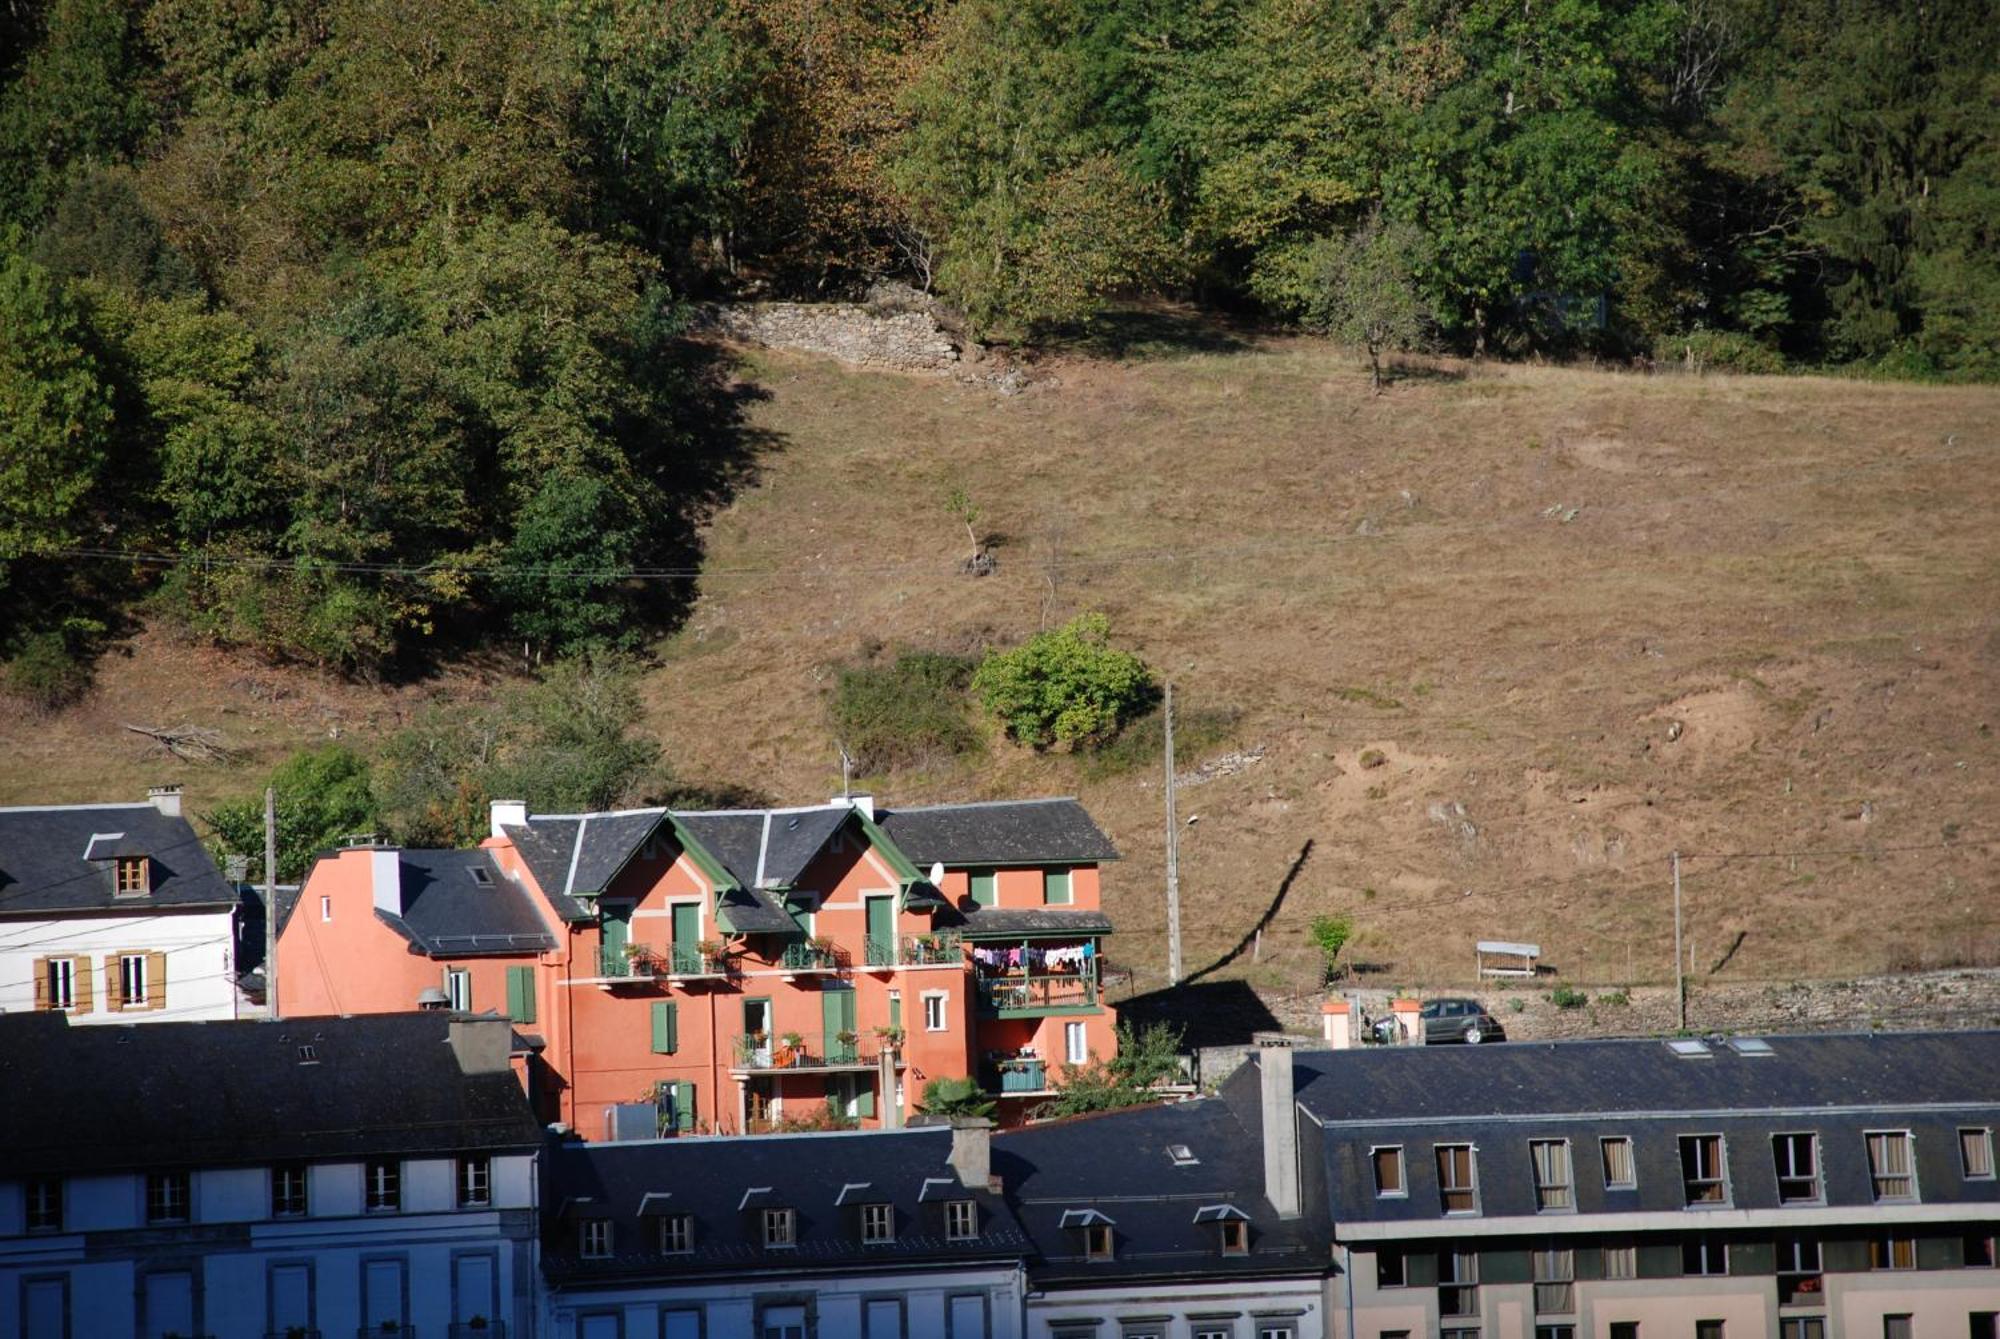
{"x": 1690, "y": 1048}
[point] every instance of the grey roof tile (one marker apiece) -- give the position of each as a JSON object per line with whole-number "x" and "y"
{"x": 1001, "y": 832}
{"x": 447, "y": 912}
{"x": 999, "y": 922}
{"x": 43, "y": 870}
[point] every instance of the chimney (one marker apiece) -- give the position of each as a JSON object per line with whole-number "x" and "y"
{"x": 482, "y": 1045}
{"x": 167, "y": 799}
{"x": 1336, "y": 1019}
{"x": 509, "y": 814}
{"x": 1281, "y": 1130}
{"x": 385, "y": 873}
{"x": 1409, "y": 1020}
{"x": 972, "y": 1151}
{"x": 865, "y": 803}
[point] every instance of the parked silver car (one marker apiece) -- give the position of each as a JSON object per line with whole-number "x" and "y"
{"x": 1458, "y": 1020}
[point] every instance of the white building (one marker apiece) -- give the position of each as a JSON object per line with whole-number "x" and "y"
{"x": 114, "y": 913}
{"x": 296, "y": 1179}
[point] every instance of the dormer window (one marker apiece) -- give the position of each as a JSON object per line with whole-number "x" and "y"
{"x": 961, "y": 1220}
{"x": 594, "y": 1239}
{"x": 878, "y": 1224}
{"x": 1235, "y": 1237}
{"x": 780, "y": 1228}
{"x": 133, "y": 875}
{"x": 1097, "y": 1242}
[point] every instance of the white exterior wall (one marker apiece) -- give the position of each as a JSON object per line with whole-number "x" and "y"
{"x": 1299, "y": 1303}
{"x": 200, "y": 949}
{"x": 229, "y": 1253}
{"x": 836, "y": 1304}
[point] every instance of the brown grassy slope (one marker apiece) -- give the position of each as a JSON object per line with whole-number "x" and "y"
{"x": 1804, "y": 574}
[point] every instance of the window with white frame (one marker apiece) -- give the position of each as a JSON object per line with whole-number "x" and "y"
{"x": 676, "y": 1233}
{"x": 326, "y": 909}
{"x": 1619, "y": 1171}
{"x": 782, "y": 1322}
{"x": 167, "y": 1197}
{"x": 878, "y": 1224}
{"x": 132, "y": 980}
{"x": 961, "y": 1220}
{"x": 1892, "y": 1165}
{"x": 1702, "y": 1177}
{"x": 1889, "y": 1251}
{"x": 1076, "y": 1044}
{"x": 1704, "y": 1256}
{"x": 780, "y": 1228}
{"x": 1458, "y": 1283}
{"x": 1276, "y": 1329}
{"x": 1975, "y": 1153}
{"x": 382, "y": 1183}
{"x": 1555, "y": 1282}
{"x": 1802, "y": 1327}
{"x": 1555, "y": 1332}
{"x": 475, "y": 1182}
{"x": 288, "y": 1190}
{"x": 1389, "y": 1180}
{"x": 1799, "y": 1281}
{"x": 45, "y": 1204}
{"x": 58, "y": 984}
{"x": 935, "y": 1019}
{"x": 458, "y": 989}
{"x": 593, "y": 1239}
{"x": 1552, "y": 1179}
{"x": 1457, "y": 1187}
{"x": 1797, "y": 1158}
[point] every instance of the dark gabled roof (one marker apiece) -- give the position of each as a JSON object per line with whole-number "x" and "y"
{"x": 44, "y": 869}
{"x": 447, "y": 911}
{"x": 1000, "y": 832}
{"x": 1527, "y": 1079}
{"x": 108, "y": 1097}
{"x": 722, "y": 1181}
{"x": 1499, "y": 1098}
{"x": 733, "y": 836}
{"x": 578, "y": 855}
{"x": 753, "y": 911}
{"x": 546, "y": 846}
{"x": 766, "y": 848}
{"x": 1118, "y": 1165}
{"x": 1006, "y": 922}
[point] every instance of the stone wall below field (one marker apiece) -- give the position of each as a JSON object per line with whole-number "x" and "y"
{"x": 896, "y": 341}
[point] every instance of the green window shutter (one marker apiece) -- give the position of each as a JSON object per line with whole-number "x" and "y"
{"x": 521, "y": 994}
{"x": 864, "y": 1100}
{"x": 1504, "y": 1266}
{"x": 1055, "y": 887}
{"x": 985, "y": 884}
{"x": 666, "y": 1027}
{"x": 895, "y": 1008}
{"x": 683, "y": 1104}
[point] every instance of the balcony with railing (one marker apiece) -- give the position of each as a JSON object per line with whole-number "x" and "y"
{"x": 632, "y": 962}
{"x": 804, "y": 957}
{"x": 932, "y": 950}
{"x": 478, "y": 1329}
{"x": 1032, "y": 994}
{"x": 789, "y": 1052}
{"x": 1017, "y": 1075}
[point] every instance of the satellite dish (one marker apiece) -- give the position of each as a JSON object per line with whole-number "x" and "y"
{"x": 937, "y": 873}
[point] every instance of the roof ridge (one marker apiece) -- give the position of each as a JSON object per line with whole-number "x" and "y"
{"x": 601, "y": 813}
{"x": 979, "y": 804}
{"x": 71, "y": 808}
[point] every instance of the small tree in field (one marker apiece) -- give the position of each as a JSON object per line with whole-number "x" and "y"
{"x": 1364, "y": 289}
{"x": 1331, "y": 934}
{"x": 1067, "y": 686}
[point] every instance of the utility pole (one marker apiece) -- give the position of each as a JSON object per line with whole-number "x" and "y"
{"x": 270, "y": 902}
{"x": 1173, "y": 856}
{"x": 1680, "y": 963}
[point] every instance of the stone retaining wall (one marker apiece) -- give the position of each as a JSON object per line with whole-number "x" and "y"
{"x": 896, "y": 341}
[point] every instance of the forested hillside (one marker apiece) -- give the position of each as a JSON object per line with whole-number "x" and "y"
{"x": 347, "y": 333}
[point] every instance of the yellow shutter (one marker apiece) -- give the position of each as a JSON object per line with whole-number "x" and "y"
{"x": 156, "y": 980}
{"x": 84, "y": 1001}
{"x": 41, "y": 983}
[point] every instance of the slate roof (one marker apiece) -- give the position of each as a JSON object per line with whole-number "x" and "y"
{"x": 108, "y": 1097}
{"x": 448, "y": 912}
{"x": 1005, "y": 922}
{"x": 43, "y": 869}
{"x": 1000, "y": 832}
{"x": 578, "y": 855}
{"x": 1117, "y": 1164}
{"x": 825, "y": 1177}
{"x": 1499, "y": 1098}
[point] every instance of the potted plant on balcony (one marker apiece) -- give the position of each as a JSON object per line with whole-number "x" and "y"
{"x": 709, "y": 949}
{"x": 892, "y": 1037}
{"x": 822, "y": 947}
{"x": 792, "y": 1049}
{"x": 847, "y": 1037}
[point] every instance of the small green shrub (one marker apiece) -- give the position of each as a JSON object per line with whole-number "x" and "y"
{"x": 1517, "y": 1005}
{"x": 1142, "y": 743}
{"x": 909, "y": 713}
{"x": 51, "y": 669}
{"x": 1067, "y": 686}
{"x": 1567, "y": 997}
{"x": 1331, "y": 934}
{"x": 1372, "y": 758}
{"x": 1616, "y": 998}
{"x": 1719, "y": 351}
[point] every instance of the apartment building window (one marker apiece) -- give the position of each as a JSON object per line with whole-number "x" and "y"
{"x": 1892, "y": 1252}
{"x": 458, "y": 989}
{"x": 382, "y": 1182}
{"x": 1056, "y": 889}
{"x": 1975, "y": 1154}
{"x": 1624, "y": 1329}
{"x": 1797, "y": 1158}
{"x": 1457, "y": 1189}
{"x": 167, "y": 1197}
{"x": 1702, "y": 1175}
{"x": 1076, "y": 1044}
{"x": 1708, "y": 1329}
{"x": 131, "y": 980}
{"x": 288, "y": 1190}
{"x": 45, "y": 1204}
{"x": 1984, "y": 1324}
{"x": 676, "y": 1234}
{"x": 1555, "y": 1332}
{"x": 1980, "y": 1252}
{"x": 1619, "y": 1173}
{"x": 1799, "y": 1274}
{"x": 134, "y": 876}
{"x": 780, "y": 1228}
{"x": 1458, "y": 1283}
{"x": 934, "y": 1011}
{"x": 1276, "y": 1330}
{"x": 475, "y": 1182}
{"x": 593, "y": 1241}
{"x": 1555, "y": 1282}
{"x": 1896, "y": 1327}
{"x": 1802, "y": 1327}
{"x": 961, "y": 1220}
{"x": 1621, "y": 1261}
{"x": 1389, "y": 1172}
{"x": 1704, "y": 1256}
{"x": 1392, "y": 1268}
{"x": 878, "y": 1224}
{"x": 1458, "y": 1332}
{"x": 1552, "y": 1181}
{"x": 1891, "y": 1167}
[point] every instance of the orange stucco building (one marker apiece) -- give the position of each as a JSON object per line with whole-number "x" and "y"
{"x": 735, "y": 970}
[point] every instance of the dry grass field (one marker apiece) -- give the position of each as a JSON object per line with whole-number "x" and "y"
{"x": 1504, "y": 638}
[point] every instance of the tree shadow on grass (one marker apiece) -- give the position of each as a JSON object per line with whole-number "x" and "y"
{"x": 1139, "y": 333}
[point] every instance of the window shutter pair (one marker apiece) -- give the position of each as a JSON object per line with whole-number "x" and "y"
{"x": 521, "y": 994}
{"x": 666, "y": 1027}
{"x": 683, "y": 1105}
{"x": 864, "y": 1101}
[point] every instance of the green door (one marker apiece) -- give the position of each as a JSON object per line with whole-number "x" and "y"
{"x": 881, "y": 931}
{"x": 837, "y": 1016}
{"x": 687, "y": 933}
{"x": 617, "y": 933}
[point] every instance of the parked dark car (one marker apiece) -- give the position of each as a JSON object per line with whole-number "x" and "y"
{"x": 1458, "y": 1020}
